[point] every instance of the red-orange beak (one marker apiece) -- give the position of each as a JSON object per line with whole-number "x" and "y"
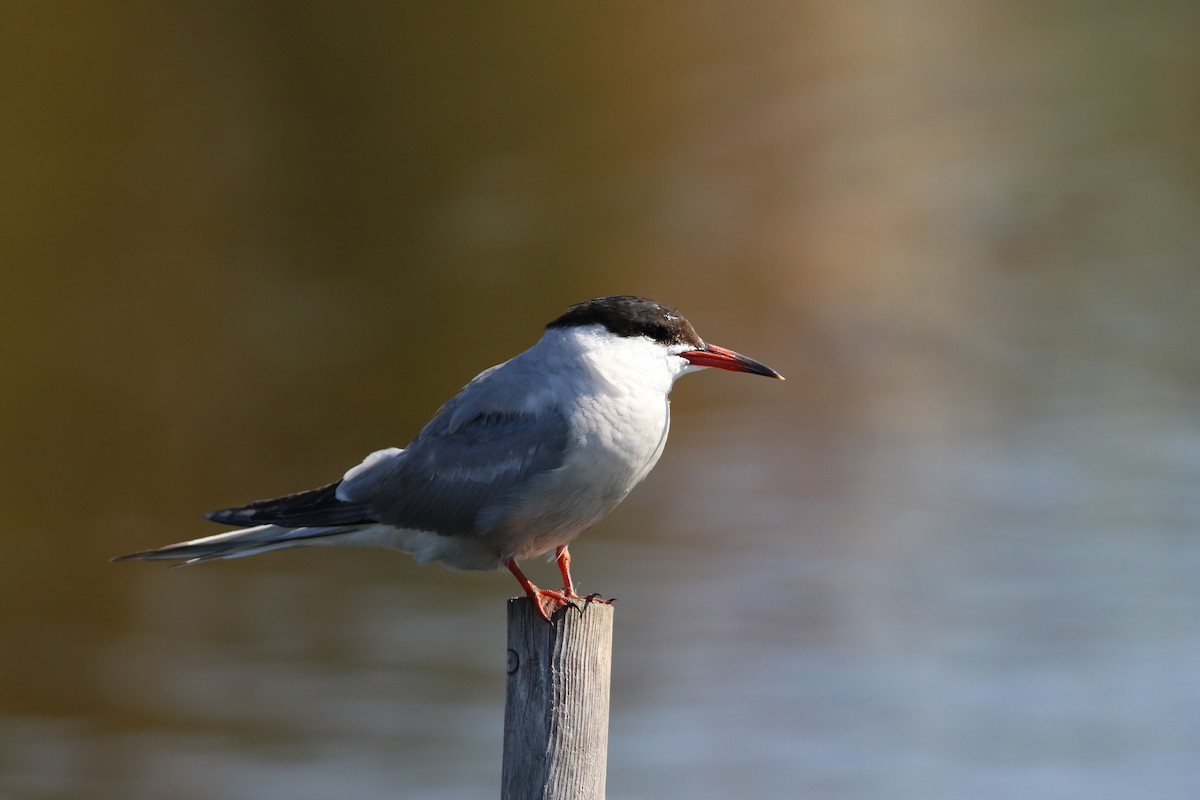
{"x": 719, "y": 357}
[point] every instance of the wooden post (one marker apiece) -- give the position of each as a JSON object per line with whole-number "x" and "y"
{"x": 556, "y": 706}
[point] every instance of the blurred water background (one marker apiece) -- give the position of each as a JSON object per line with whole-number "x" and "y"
{"x": 955, "y": 555}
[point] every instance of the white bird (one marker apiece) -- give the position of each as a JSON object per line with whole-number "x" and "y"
{"x": 530, "y": 454}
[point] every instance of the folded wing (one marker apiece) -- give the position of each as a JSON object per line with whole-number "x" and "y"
{"x": 459, "y": 475}
{"x": 456, "y": 481}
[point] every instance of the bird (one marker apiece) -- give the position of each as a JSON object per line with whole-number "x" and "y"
{"x": 530, "y": 454}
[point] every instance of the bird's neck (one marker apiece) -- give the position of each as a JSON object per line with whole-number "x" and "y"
{"x": 623, "y": 363}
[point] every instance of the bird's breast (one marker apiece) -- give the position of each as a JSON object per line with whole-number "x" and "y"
{"x": 613, "y": 445}
{"x": 623, "y": 438}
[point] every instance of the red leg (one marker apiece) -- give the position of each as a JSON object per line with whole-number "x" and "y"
{"x": 547, "y": 600}
{"x": 563, "y": 557}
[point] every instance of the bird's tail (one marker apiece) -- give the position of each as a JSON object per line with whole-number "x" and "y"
{"x": 244, "y": 542}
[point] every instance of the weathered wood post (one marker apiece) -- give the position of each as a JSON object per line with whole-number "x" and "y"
{"x": 556, "y": 706}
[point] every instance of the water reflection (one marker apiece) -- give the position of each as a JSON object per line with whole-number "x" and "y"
{"x": 953, "y": 556}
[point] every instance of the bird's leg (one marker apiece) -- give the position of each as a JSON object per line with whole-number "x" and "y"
{"x": 563, "y": 557}
{"x": 547, "y": 600}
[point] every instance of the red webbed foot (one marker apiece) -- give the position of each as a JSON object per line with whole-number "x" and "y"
{"x": 549, "y": 601}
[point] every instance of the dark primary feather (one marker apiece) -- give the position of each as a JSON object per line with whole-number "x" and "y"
{"x": 315, "y": 507}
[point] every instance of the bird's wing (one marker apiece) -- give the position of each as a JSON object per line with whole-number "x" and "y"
{"x": 315, "y": 507}
{"x": 474, "y": 456}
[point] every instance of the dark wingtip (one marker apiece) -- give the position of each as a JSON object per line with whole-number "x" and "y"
{"x": 314, "y": 507}
{"x": 228, "y": 516}
{"x": 139, "y": 555}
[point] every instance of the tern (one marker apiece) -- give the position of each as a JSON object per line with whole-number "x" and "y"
{"x": 530, "y": 454}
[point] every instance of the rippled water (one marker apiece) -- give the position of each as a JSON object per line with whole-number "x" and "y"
{"x": 954, "y": 555}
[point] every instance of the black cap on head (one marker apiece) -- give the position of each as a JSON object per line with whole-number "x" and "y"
{"x": 627, "y": 315}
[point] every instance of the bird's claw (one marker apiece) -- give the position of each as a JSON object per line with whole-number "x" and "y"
{"x": 550, "y": 601}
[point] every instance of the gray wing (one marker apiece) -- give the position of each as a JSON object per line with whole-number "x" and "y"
{"x": 475, "y": 456}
